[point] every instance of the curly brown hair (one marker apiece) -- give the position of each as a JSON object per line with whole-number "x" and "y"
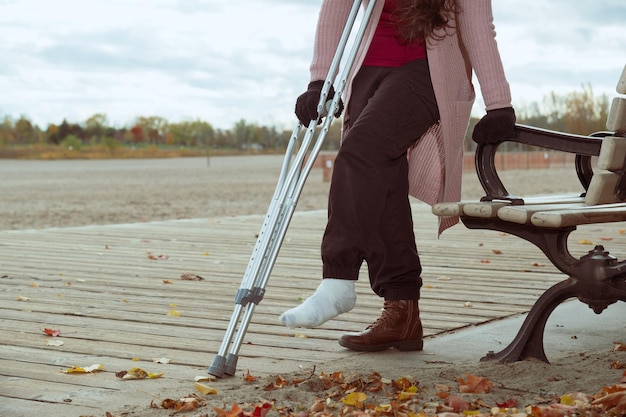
{"x": 419, "y": 19}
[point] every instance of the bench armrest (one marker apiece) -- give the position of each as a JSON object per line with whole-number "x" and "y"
{"x": 584, "y": 147}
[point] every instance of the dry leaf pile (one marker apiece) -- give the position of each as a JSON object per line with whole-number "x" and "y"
{"x": 373, "y": 395}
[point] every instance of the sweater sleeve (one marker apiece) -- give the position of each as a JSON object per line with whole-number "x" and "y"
{"x": 332, "y": 19}
{"x": 478, "y": 36}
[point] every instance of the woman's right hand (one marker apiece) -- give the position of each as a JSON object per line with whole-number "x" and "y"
{"x": 306, "y": 104}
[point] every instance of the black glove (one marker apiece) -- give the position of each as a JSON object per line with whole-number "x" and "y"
{"x": 495, "y": 126}
{"x": 306, "y": 104}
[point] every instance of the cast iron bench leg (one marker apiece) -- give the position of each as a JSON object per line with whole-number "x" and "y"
{"x": 529, "y": 340}
{"x": 597, "y": 279}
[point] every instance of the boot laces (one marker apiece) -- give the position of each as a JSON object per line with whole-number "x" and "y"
{"x": 388, "y": 317}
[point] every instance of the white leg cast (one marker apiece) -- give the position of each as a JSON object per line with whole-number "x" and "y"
{"x": 332, "y": 298}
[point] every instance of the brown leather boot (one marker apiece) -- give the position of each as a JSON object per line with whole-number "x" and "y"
{"x": 399, "y": 326}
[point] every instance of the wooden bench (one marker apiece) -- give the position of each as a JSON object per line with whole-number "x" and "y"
{"x": 597, "y": 278}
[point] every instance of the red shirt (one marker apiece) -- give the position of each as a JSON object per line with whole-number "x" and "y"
{"x": 387, "y": 48}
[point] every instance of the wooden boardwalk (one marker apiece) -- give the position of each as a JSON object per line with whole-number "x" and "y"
{"x": 116, "y": 295}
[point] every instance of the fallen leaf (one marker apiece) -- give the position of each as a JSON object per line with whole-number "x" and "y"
{"x": 406, "y": 395}
{"x": 188, "y": 276}
{"x": 510, "y": 403}
{"x": 235, "y": 411}
{"x": 619, "y": 346}
{"x": 86, "y": 370}
{"x": 173, "y": 313}
{"x": 157, "y": 257}
{"x": 248, "y": 377}
{"x": 204, "y": 378}
{"x": 137, "y": 373}
{"x": 474, "y": 384}
{"x": 585, "y": 242}
{"x": 402, "y": 384}
{"x": 52, "y": 332}
{"x": 205, "y": 389}
{"x": 354, "y": 399}
{"x": 457, "y": 403}
{"x": 279, "y": 382}
{"x": 167, "y": 281}
{"x": 497, "y": 251}
{"x": 191, "y": 403}
{"x": 317, "y": 406}
{"x": 21, "y": 298}
{"x": 261, "y": 410}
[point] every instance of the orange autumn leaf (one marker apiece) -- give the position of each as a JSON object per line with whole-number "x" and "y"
{"x": 402, "y": 383}
{"x": 619, "y": 346}
{"x": 234, "y": 411}
{"x": 615, "y": 400}
{"x": 485, "y": 261}
{"x": 157, "y": 257}
{"x": 279, "y": 382}
{"x": 248, "y": 377}
{"x": 52, "y": 332}
{"x": 474, "y": 384}
{"x": 457, "y": 403}
{"x": 497, "y": 251}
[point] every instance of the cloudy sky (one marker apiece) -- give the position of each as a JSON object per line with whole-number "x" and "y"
{"x": 226, "y": 60}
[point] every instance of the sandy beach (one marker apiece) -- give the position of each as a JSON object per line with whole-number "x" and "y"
{"x": 41, "y": 194}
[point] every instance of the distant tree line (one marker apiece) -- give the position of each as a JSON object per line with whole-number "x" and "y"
{"x": 579, "y": 112}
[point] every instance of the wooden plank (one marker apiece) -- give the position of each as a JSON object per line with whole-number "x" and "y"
{"x": 110, "y": 299}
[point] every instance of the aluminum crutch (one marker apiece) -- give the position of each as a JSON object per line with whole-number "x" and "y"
{"x": 293, "y": 175}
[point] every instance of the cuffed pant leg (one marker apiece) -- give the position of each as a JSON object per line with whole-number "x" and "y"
{"x": 369, "y": 211}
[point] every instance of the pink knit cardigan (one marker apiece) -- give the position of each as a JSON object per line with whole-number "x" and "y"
{"x": 436, "y": 161}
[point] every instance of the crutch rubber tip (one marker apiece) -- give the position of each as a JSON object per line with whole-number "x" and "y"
{"x": 231, "y": 364}
{"x": 217, "y": 367}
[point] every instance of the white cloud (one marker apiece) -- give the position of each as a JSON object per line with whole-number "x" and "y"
{"x": 226, "y": 60}
{"x": 561, "y": 45}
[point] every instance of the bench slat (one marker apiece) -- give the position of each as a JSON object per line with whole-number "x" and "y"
{"x": 522, "y": 214}
{"x": 488, "y": 209}
{"x": 605, "y": 213}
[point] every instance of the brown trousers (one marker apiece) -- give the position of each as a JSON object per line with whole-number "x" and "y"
{"x": 369, "y": 213}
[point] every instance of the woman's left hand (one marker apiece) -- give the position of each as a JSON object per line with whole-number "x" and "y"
{"x": 495, "y": 126}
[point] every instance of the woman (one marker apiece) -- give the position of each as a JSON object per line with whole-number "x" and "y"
{"x": 408, "y": 107}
